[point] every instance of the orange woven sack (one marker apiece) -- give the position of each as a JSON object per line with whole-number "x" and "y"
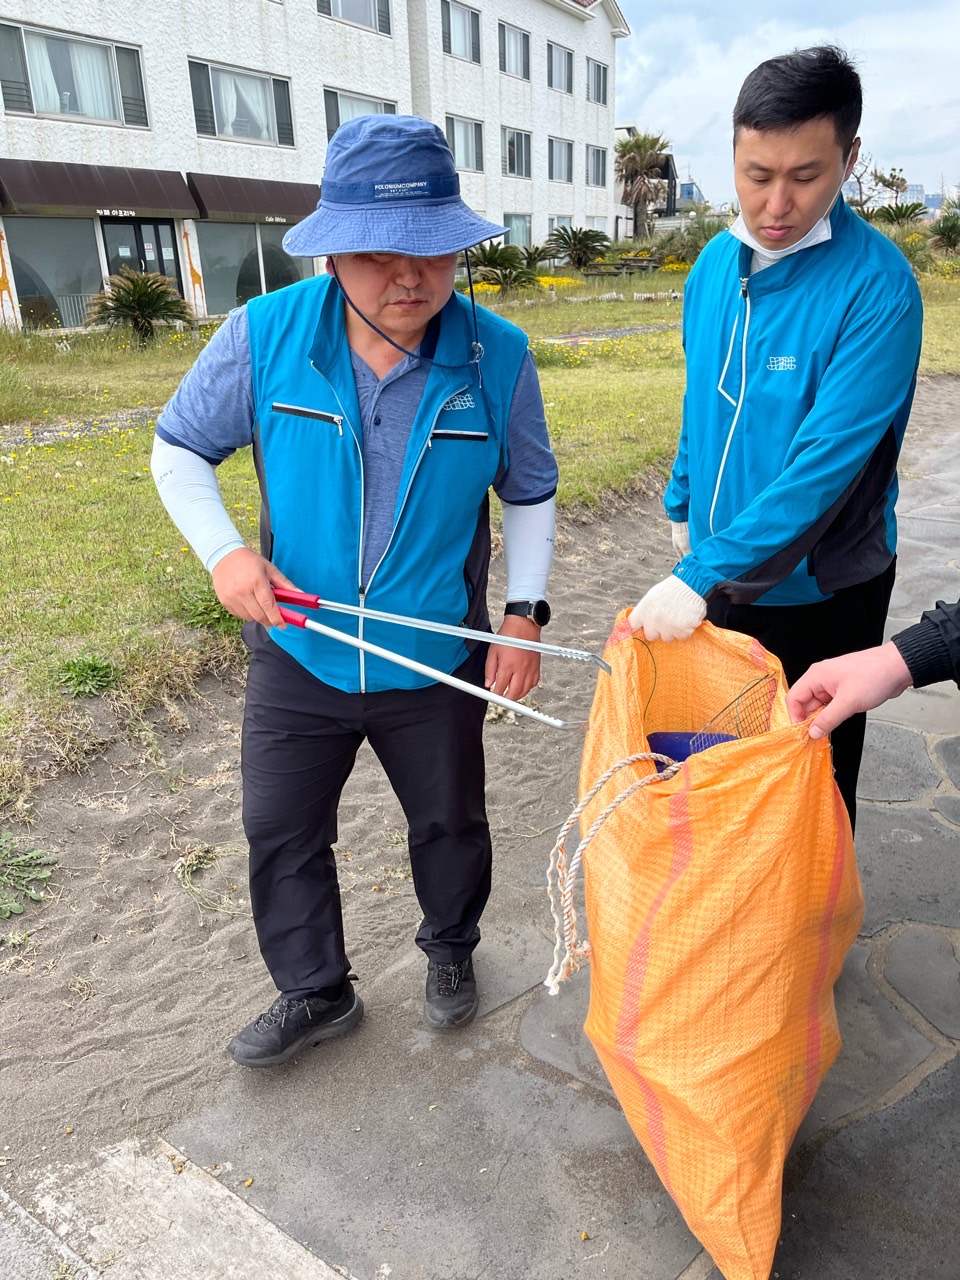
{"x": 721, "y": 897}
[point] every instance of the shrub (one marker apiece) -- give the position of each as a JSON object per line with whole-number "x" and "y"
{"x": 578, "y": 245}
{"x": 138, "y": 300}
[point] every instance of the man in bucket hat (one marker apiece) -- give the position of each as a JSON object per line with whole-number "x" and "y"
{"x": 381, "y": 406}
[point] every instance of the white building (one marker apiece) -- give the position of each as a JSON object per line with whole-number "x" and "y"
{"x": 186, "y": 138}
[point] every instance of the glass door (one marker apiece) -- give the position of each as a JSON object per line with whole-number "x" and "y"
{"x": 142, "y": 244}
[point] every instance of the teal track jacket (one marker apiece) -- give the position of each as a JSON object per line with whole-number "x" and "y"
{"x": 800, "y": 380}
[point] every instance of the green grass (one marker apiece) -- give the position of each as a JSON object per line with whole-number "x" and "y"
{"x": 99, "y": 593}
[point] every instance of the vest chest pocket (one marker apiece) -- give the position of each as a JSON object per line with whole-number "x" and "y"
{"x": 301, "y": 411}
{"x": 468, "y": 437}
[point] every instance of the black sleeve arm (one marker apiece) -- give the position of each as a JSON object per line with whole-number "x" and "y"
{"x": 931, "y": 648}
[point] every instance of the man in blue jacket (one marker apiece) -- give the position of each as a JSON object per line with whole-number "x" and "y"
{"x": 381, "y": 407}
{"x": 802, "y": 336}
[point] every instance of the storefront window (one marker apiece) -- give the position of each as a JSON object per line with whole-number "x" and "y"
{"x": 231, "y": 264}
{"x": 279, "y": 268}
{"x": 56, "y": 268}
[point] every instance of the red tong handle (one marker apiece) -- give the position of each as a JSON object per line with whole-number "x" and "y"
{"x": 294, "y": 619}
{"x": 285, "y": 595}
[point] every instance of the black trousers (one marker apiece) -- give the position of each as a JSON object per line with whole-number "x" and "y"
{"x": 851, "y": 619}
{"x": 300, "y": 741}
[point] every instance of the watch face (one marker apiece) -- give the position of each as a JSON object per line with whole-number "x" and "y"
{"x": 540, "y": 612}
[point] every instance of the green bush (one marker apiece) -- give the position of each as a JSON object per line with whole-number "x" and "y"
{"x": 138, "y": 300}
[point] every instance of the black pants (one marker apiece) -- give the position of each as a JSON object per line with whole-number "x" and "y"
{"x": 851, "y": 619}
{"x": 300, "y": 741}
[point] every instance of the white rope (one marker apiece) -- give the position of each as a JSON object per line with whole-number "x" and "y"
{"x": 561, "y": 877}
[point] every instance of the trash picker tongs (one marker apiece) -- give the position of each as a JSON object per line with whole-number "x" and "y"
{"x": 286, "y": 596}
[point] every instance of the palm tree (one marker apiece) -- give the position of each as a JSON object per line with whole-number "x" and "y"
{"x": 639, "y": 165}
{"x": 946, "y": 232}
{"x": 139, "y": 300}
{"x": 900, "y": 214}
{"x": 579, "y": 245}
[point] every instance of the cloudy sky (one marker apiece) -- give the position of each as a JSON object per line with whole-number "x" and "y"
{"x": 680, "y": 71}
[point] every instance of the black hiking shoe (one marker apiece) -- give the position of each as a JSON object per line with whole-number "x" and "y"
{"x": 451, "y": 999}
{"x": 290, "y": 1026}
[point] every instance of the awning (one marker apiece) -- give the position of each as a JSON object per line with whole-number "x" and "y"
{"x": 52, "y": 188}
{"x": 224, "y": 199}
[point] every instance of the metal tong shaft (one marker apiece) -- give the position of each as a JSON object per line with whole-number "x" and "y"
{"x": 286, "y": 596}
{"x": 298, "y": 620}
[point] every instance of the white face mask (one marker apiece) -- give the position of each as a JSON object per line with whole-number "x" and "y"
{"x": 818, "y": 233}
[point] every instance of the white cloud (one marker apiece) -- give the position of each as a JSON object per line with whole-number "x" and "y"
{"x": 679, "y": 74}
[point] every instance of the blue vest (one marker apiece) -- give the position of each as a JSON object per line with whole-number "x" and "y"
{"x": 308, "y": 450}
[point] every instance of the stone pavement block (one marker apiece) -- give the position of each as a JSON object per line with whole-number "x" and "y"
{"x": 948, "y": 753}
{"x": 929, "y": 580}
{"x": 878, "y": 1200}
{"x": 437, "y": 1156}
{"x": 923, "y": 967}
{"x": 31, "y": 1251}
{"x": 552, "y": 1030}
{"x": 910, "y": 866}
{"x": 935, "y": 709}
{"x": 878, "y": 1048}
{"x": 949, "y": 806}
{"x": 896, "y": 765}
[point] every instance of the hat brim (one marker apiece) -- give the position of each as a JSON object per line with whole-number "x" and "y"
{"x": 422, "y": 229}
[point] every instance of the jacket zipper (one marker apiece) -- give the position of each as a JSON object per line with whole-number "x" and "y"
{"x": 745, "y": 294}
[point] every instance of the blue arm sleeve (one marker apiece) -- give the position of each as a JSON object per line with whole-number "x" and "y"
{"x": 211, "y": 412}
{"x": 676, "y": 499}
{"x": 530, "y": 475}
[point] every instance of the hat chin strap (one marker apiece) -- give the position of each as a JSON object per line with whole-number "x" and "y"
{"x": 476, "y": 347}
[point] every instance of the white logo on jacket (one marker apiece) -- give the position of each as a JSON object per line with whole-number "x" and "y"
{"x": 463, "y": 401}
{"x": 782, "y": 362}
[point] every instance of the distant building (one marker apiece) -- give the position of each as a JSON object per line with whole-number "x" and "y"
{"x": 689, "y": 194}
{"x": 933, "y": 200}
{"x": 914, "y": 194}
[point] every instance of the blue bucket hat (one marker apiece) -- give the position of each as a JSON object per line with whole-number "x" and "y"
{"x": 390, "y": 185}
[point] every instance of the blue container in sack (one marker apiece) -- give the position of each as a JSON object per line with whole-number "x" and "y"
{"x": 680, "y": 745}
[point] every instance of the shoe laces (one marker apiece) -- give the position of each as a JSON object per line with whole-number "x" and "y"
{"x": 449, "y": 977}
{"x": 279, "y": 1011}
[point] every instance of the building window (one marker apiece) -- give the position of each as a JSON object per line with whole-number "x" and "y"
{"x": 559, "y": 220}
{"x": 596, "y": 167}
{"x": 597, "y": 224}
{"x": 56, "y": 268}
{"x": 52, "y": 75}
{"x": 518, "y": 229}
{"x": 559, "y": 68}
{"x": 373, "y": 14}
{"x": 240, "y": 260}
{"x": 559, "y": 160}
{"x": 465, "y": 139}
{"x": 241, "y": 104}
{"x": 514, "y": 51}
{"x": 515, "y": 152}
{"x": 596, "y": 82}
{"x": 461, "y": 31}
{"x": 347, "y": 106}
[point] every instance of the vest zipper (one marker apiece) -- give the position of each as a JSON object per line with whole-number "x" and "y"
{"x": 344, "y": 418}
{"x": 426, "y": 445}
{"x": 745, "y": 294}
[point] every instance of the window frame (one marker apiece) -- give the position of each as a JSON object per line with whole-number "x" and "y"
{"x": 522, "y": 143}
{"x": 591, "y": 151}
{"x": 382, "y": 24}
{"x": 592, "y": 63}
{"x": 446, "y": 32}
{"x": 551, "y": 165}
{"x": 450, "y": 131}
{"x": 551, "y": 46}
{"x": 274, "y": 81}
{"x": 529, "y": 229}
{"x": 75, "y": 116}
{"x": 329, "y": 92}
{"x": 524, "y": 72}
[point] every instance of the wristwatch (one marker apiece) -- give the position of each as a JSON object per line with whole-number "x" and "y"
{"x": 537, "y": 611}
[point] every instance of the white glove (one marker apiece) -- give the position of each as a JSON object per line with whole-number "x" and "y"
{"x": 681, "y": 538}
{"x": 669, "y": 611}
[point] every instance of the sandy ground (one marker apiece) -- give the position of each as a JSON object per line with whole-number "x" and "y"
{"x": 116, "y": 1006}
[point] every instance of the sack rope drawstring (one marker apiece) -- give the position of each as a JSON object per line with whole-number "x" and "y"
{"x": 561, "y": 877}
